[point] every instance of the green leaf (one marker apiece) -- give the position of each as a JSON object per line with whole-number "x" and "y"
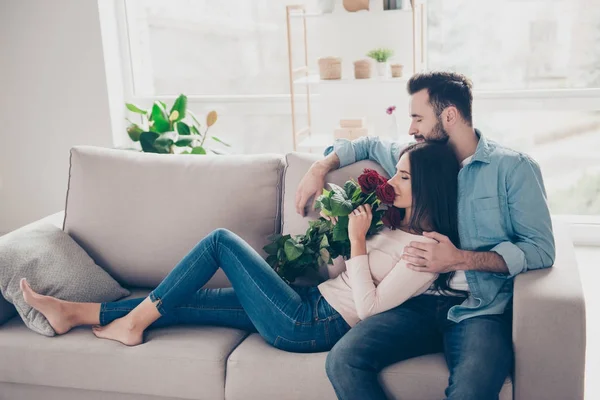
{"x": 182, "y": 128}
{"x": 164, "y": 142}
{"x": 180, "y": 106}
{"x": 135, "y": 109}
{"x": 160, "y": 118}
{"x": 220, "y": 141}
{"x": 147, "y": 140}
{"x": 272, "y": 261}
{"x": 191, "y": 114}
{"x": 324, "y": 203}
{"x": 340, "y": 230}
{"x": 198, "y": 150}
{"x": 271, "y": 248}
{"x": 195, "y": 130}
{"x": 183, "y": 142}
{"x": 338, "y": 190}
{"x": 134, "y": 132}
{"x": 274, "y": 237}
{"x": 340, "y": 206}
{"x": 324, "y": 242}
{"x": 349, "y": 188}
{"x": 293, "y": 250}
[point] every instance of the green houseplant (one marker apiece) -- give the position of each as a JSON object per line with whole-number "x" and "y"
{"x": 381, "y": 56}
{"x": 176, "y": 131}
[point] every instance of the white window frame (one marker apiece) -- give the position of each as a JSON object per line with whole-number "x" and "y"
{"x": 584, "y": 229}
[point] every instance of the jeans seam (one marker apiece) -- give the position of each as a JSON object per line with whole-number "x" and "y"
{"x": 102, "y": 312}
{"x": 211, "y": 308}
{"x": 259, "y": 288}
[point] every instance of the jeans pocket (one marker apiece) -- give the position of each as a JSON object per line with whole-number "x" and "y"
{"x": 306, "y": 346}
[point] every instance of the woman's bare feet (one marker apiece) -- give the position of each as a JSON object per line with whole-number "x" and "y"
{"x": 56, "y": 311}
{"x": 122, "y": 330}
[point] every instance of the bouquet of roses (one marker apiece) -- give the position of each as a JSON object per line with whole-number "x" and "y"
{"x": 292, "y": 256}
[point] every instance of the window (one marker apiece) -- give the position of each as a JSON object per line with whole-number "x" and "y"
{"x": 203, "y": 47}
{"x": 535, "y": 67}
{"x": 517, "y": 44}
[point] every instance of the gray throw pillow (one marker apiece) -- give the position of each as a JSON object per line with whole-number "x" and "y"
{"x": 55, "y": 265}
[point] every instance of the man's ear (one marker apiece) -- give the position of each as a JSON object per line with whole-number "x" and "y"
{"x": 450, "y": 115}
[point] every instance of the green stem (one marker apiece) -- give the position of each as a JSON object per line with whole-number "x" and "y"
{"x": 369, "y": 197}
{"x": 205, "y": 134}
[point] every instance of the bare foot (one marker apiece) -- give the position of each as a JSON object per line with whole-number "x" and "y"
{"x": 121, "y": 330}
{"x": 55, "y": 310}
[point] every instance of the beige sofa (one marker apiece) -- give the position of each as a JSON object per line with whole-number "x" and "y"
{"x": 138, "y": 214}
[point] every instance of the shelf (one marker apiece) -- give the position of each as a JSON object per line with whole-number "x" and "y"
{"x": 344, "y": 13}
{"x": 315, "y": 80}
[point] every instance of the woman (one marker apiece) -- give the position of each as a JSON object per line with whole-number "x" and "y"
{"x": 309, "y": 319}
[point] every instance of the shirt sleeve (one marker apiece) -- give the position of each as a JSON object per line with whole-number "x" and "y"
{"x": 398, "y": 286}
{"x": 338, "y": 266}
{"x": 384, "y": 152}
{"x": 533, "y": 245}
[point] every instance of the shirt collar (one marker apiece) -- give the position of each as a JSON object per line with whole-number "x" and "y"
{"x": 483, "y": 150}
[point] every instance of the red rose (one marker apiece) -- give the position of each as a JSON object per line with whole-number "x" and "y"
{"x": 369, "y": 180}
{"x": 392, "y": 218}
{"x": 386, "y": 193}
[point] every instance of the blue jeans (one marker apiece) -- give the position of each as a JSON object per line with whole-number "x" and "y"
{"x": 296, "y": 319}
{"x": 478, "y": 350}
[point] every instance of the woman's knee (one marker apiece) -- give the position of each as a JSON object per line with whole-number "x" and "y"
{"x": 220, "y": 235}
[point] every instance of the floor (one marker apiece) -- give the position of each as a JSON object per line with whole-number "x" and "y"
{"x": 588, "y": 259}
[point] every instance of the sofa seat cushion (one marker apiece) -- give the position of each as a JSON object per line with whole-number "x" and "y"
{"x": 180, "y": 362}
{"x": 256, "y": 370}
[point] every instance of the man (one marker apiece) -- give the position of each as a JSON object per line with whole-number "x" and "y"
{"x": 504, "y": 228}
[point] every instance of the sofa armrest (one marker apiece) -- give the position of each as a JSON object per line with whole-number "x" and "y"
{"x": 549, "y": 328}
{"x": 7, "y": 310}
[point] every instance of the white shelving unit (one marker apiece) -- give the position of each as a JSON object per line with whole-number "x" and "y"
{"x": 316, "y": 80}
{"x": 303, "y": 80}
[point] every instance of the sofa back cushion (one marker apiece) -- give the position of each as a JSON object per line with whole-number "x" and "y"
{"x": 297, "y": 164}
{"x": 138, "y": 214}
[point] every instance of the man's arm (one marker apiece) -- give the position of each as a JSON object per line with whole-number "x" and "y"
{"x": 384, "y": 152}
{"x": 443, "y": 256}
{"x": 533, "y": 243}
{"x": 343, "y": 153}
{"x": 489, "y": 261}
{"x": 532, "y": 246}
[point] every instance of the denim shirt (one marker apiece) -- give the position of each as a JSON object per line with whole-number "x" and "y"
{"x": 502, "y": 207}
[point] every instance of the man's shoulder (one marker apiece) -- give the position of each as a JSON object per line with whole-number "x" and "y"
{"x": 508, "y": 158}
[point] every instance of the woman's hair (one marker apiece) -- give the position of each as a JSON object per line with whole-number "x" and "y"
{"x": 434, "y": 182}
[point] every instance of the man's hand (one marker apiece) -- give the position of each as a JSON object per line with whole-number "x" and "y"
{"x": 438, "y": 257}
{"x": 312, "y": 184}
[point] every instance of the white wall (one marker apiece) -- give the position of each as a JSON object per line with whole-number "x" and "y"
{"x": 53, "y": 95}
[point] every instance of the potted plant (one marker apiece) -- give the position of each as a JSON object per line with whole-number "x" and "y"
{"x": 177, "y": 131}
{"x": 381, "y": 56}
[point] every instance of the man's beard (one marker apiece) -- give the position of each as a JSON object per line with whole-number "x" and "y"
{"x": 438, "y": 134}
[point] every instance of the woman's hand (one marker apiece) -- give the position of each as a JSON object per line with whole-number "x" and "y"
{"x": 359, "y": 223}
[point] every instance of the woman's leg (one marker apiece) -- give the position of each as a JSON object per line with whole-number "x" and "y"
{"x": 205, "y": 307}
{"x": 62, "y": 315}
{"x": 269, "y": 302}
{"x": 218, "y": 307}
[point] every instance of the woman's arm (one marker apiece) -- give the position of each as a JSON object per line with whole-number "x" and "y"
{"x": 398, "y": 286}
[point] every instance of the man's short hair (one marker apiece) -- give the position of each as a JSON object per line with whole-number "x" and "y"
{"x": 445, "y": 89}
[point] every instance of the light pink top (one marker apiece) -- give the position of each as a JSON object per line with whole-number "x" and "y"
{"x": 376, "y": 282}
